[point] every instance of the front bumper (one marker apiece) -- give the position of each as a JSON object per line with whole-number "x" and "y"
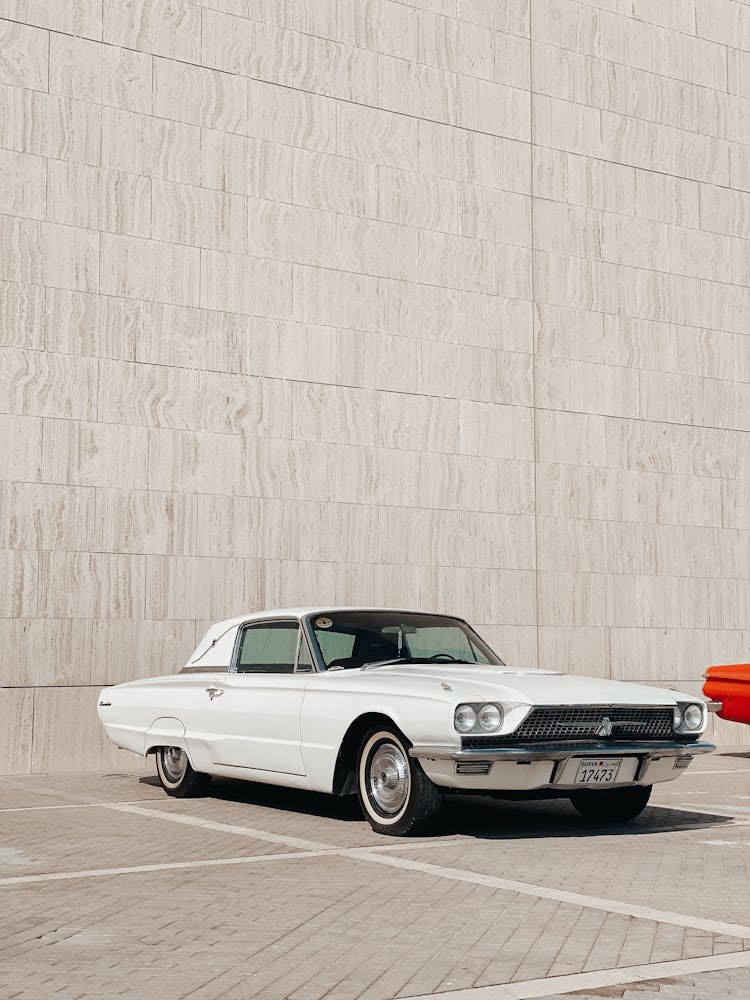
{"x": 534, "y": 766}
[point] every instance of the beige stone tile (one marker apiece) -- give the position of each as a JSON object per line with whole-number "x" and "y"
{"x": 584, "y": 181}
{"x": 21, "y": 451}
{"x": 239, "y": 283}
{"x": 738, "y": 69}
{"x": 486, "y": 106}
{"x": 314, "y": 17}
{"x": 91, "y": 585}
{"x": 42, "y": 384}
{"x": 408, "y": 198}
{"x": 103, "y": 74}
{"x": 457, "y": 262}
{"x": 377, "y": 136}
{"x": 200, "y": 96}
{"x": 426, "y": 312}
{"x": 571, "y": 25}
{"x": 147, "y": 395}
{"x": 94, "y": 326}
{"x": 290, "y": 232}
{"x": 169, "y": 28}
{"x": 380, "y": 26}
{"x": 295, "y": 117}
{"x": 495, "y": 431}
{"x": 570, "y": 127}
{"x": 146, "y": 269}
{"x": 739, "y": 166}
{"x": 494, "y": 321}
{"x": 512, "y": 60}
{"x": 373, "y": 361}
{"x": 153, "y": 147}
{"x": 575, "y": 650}
{"x": 458, "y": 46}
{"x": 336, "y": 298}
{"x": 75, "y": 739}
{"x": 139, "y": 521}
{"x": 80, "y": 195}
{"x": 46, "y": 125}
{"x": 335, "y": 183}
{"x": 569, "y": 229}
{"x": 24, "y": 56}
{"x": 184, "y": 587}
{"x": 378, "y": 248}
{"x": 471, "y": 482}
{"x": 577, "y": 546}
{"x": 37, "y": 516}
{"x": 572, "y": 438}
{"x": 672, "y": 449}
{"x": 128, "y": 650}
{"x": 722, "y": 21}
{"x": 45, "y": 253}
{"x": 19, "y": 580}
{"x": 293, "y": 470}
{"x": 725, "y": 211}
{"x": 567, "y": 75}
{"x": 666, "y": 199}
{"x": 280, "y": 349}
{"x": 22, "y": 319}
{"x": 242, "y": 404}
{"x": 240, "y": 165}
{"x": 587, "y": 388}
{"x": 490, "y": 214}
{"x": 22, "y": 184}
{"x": 411, "y": 88}
{"x": 714, "y": 604}
{"x": 667, "y": 150}
{"x": 512, "y": 16}
{"x": 81, "y": 18}
{"x": 17, "y": 722}
{"x": 672, "y": 53}
{"x": 45, "y": 652}
{"x": 195, "y": 462}
{"x": 182, "y": 337}
{"x": 195, "y": 216}
{"x": 89, "y": 454}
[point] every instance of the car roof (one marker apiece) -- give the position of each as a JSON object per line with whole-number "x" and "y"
{"x": 319, "y": 609}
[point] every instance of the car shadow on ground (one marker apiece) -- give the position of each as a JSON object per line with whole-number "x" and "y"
{"x": 476, "y": 816}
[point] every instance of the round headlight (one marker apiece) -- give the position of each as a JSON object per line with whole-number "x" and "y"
{"x": 677, "y": 717}
{"x": 465, "y": 718}
{"x": 692, "y": 717}
{"x": 490, "y": 718}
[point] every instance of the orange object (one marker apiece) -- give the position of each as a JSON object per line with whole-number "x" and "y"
{"x": 730, "y": 684}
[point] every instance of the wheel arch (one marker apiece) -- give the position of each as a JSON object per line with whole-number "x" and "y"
{"x": 344, "y": 775}
{"x": 166, "y": 731}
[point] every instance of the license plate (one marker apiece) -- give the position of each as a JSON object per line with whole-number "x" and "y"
{"x": 598, "y": 772}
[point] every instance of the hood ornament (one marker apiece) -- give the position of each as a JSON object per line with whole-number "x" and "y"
{"x": 605, "y": 729}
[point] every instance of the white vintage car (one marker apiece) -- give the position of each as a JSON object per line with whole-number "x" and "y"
{"x": 399, "y": 707}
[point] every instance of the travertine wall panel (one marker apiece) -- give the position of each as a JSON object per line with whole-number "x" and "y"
{"x": 438, "y": 304}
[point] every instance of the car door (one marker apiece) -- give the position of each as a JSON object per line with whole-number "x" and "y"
{"x": 253, "y": 714}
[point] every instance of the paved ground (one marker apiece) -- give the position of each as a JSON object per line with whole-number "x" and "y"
{"x": 110, "y": 889}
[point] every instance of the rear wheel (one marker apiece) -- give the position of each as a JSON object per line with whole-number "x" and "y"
{"x": 395, "y": 794}
{"x": 611, "y": 805}
{"x": 176, "y": 774}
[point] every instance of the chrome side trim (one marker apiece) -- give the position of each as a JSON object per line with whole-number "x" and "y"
{"x": 650, "y": 749}
{"x": 714, "y": 706}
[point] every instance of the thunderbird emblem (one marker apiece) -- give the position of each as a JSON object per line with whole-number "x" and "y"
{"x": 605, "y": 729}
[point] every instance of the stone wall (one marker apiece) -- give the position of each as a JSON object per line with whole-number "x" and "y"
{"x": 441, "y": 304}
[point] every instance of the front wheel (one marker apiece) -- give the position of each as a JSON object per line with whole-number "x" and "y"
{"x": 395, "y": 794}
{"x": 176, "y": 774}
{"x": 611, "y": 805}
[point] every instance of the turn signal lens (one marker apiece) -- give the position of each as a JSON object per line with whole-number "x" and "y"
{"x": 464, "y": 718}
{"x": 490, "y": 718}
{"x": 677, "y": 717}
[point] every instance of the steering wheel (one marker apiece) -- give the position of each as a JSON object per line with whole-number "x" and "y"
{"x": 444, "y": 656}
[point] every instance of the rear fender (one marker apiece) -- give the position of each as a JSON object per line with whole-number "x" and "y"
{"x": 166, "y": 732}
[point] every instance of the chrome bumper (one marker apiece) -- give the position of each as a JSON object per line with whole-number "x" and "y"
{"x": 556, "y": 751}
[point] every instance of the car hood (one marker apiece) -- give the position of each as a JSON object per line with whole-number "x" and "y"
{"x": 478, "y": 682}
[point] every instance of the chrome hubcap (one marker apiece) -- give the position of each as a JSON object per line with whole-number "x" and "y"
{"x": 389, "y": 778}
{"x": 174, "y": 762}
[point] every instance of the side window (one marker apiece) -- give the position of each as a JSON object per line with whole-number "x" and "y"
{"x": 268, "y": 648}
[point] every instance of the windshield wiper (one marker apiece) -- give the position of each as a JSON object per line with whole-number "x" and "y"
{"x": 408, "y": 659}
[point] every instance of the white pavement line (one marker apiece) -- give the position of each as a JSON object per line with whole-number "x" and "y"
{"x": 557, "y": 985}
{"x": 167, "y": 866}
{"x": 736, "y": 770}
{"x": 559, "y": 895}
{"x": 72, "y": 805}
{"x": 209, "y": 824}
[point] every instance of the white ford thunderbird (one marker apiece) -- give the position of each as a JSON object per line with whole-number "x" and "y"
{"x": 399, "y": 707}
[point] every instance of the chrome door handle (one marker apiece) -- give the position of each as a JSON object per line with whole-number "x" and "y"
{"x": 214, "y": 692}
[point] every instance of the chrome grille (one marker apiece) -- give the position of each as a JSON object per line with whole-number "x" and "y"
{"x": 583, "y": 722}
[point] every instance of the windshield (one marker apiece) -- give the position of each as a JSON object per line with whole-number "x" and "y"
{"x": 348, "y": 639}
